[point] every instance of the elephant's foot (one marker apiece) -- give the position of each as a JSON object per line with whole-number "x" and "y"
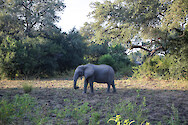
{"x": 76, "y": 87}
{"x": 107, "y": 92}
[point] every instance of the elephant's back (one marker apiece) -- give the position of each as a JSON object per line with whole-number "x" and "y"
{"x": 107, "y": 67}
{"x": 102, "y": 68}
{"x": 104, "y": 73}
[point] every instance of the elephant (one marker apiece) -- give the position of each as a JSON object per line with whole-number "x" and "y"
{"x": 95, "y": 73}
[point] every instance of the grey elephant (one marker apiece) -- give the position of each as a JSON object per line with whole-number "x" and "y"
{"x": 95, "y": 73}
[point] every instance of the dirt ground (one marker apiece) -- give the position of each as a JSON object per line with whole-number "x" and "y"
{"x": 160, "y": 94}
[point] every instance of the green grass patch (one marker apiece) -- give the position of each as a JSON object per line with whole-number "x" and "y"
{"x": 27, "y": 87}
{"x": 21, "y": 109}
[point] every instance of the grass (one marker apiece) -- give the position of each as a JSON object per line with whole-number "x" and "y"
{"x": 24, "y": 107}
{"x": 27, "y": 87}
{"x": 16, "y": 111}
{"x": 140, "y": 101}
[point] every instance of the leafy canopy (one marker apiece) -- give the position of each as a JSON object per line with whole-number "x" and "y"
{"x": 120, "y": 21}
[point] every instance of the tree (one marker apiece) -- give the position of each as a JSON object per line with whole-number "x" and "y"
{"x": 30, "y": 43}
{"x": 35, "y": 16}
{"x": 95, "y": 51}
{"x": 41, "y": 57}
{"x": 73, "y": 51}
{"x": 121, "y": 20}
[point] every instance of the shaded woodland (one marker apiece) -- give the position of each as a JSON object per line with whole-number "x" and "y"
{"x": 137, "y": 38}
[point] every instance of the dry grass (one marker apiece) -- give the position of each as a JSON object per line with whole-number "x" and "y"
{"x": 120, "y": 84}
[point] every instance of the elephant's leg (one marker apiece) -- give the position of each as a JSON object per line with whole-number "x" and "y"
{"x": 113, "y": 86}
{"x": 91, "y": 87}
{"x": 85, "y": 85}
{"x": 108, "y": 89}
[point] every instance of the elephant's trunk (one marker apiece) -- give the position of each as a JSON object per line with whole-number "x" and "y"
{"x": 75, "y": 78}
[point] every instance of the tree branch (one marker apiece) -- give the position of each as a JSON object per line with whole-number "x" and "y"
{"x": 152, "y": 52}
{"x": 136, "y": 46}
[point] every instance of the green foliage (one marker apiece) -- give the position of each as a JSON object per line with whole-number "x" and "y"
{"x": 137, "y": 112}
{"x": 122, "y": 65}
{"x": 107, "y": 59}
{"x": 115, "y": 19}
{"x": 95, "y": 51}
{"x": 30, "y": 43}
{"x": 94, "y": 119}
{"x": 33, "y": 17}
{"x": 174, "y": 119}
{"x": 118, "y": 121}
{"x": 118, "y": 59}
{"x": 40, "y": 57}
{"x": 78, "y": 112}
{"x": 29, "y": 57}
{"x": 14, "y": 112}
{"x": 74, "y": 49}
{"x": 118, "y": 54}
{"x": 6, "y": 110}
{"x": 132, "y": 111}
{"x": 23, "y": 105}
{"x": 162, "y": 67}
{"x": 24, "y": 108}
{"x": 164, "y": 23}
{"x": 27, "y": 88}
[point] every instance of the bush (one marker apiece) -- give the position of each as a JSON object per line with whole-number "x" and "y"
{"x": 95, "y": 51}
{"x": 132, "y": 111}
{"x": 118, "y": 59}
{"x": 6, "y": 110}
{"x": 162, "y": 67}
{"x": 40, "y": 57}
{"x": 107, "y": 59}
{"x": 15, "y": 111}
{"x": 27, "y": 88}
{"x": 119, "y": 121}
{"x": 94, "y": 120}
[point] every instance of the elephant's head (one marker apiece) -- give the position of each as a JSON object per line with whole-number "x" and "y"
{"x": 80, "y": 71}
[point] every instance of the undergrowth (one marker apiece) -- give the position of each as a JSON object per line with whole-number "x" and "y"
{"x": 22, "y": 109}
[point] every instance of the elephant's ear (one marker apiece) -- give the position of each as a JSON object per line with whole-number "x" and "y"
{"x": 89, "y": 71}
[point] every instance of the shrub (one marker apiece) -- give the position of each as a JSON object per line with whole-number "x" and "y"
{"x": 107, "y": 59}
{"x": 95, "y": 51}
{"x": 15, "y": 111}
{"x": 162, "y": 67}
{"x": 27, "y": 87}
{"x": 118, "y": 120}
{"x": 131, "y": 110}
{"x": 94, "y": 120}
{"x": 6, "y": 110}
{"x": 39, "y": 56}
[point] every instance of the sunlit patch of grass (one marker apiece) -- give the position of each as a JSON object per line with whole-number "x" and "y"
{"x": 154, "y": 84}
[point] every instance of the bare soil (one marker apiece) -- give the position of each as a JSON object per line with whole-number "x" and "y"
{"x": 160, "y": 95}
